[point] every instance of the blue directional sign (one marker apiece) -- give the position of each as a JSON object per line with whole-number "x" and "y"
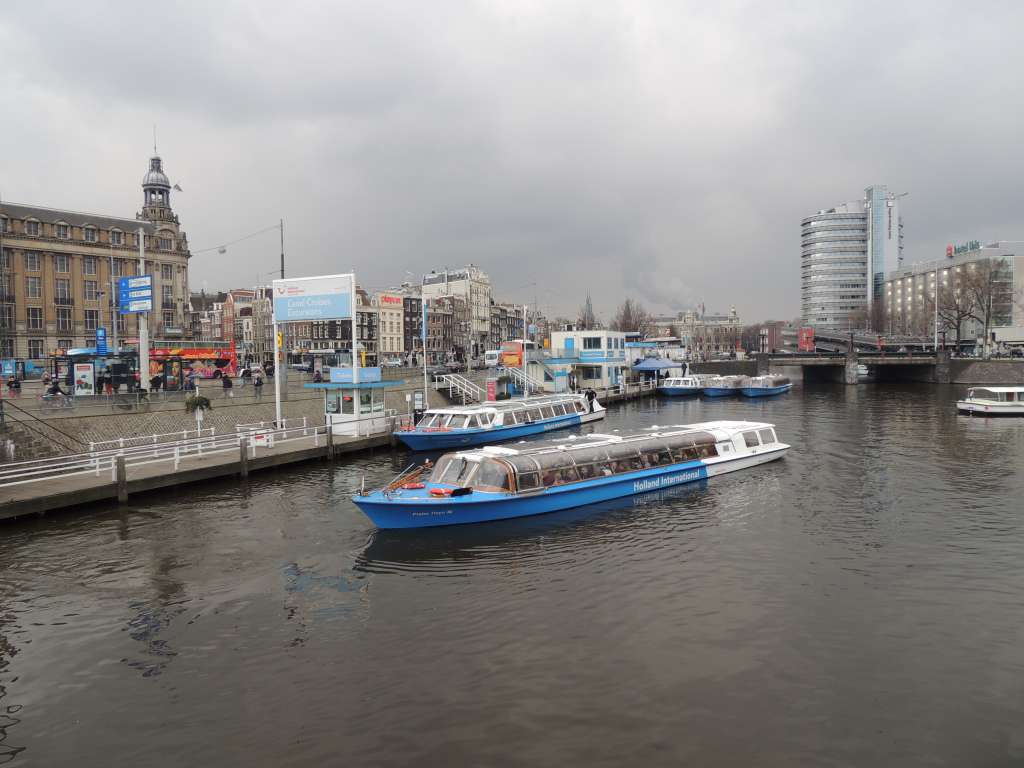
{"x": 135, "y": 294}
{"x": 101, "y": 341}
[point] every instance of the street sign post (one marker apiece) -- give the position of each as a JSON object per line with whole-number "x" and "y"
{"x": 101, "y": 341}
{"x": 135, "y": 294}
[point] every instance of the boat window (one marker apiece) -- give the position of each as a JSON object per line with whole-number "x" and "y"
{"x": 430, "y": 420}
{"x": 579, "y": 406}
{"x": 332, "y": 403}
{"x": 534, "y": 414}
{"x": 587, "y": 471}
{"x": 347, "y": 404}
{"x": 365, "y": 401}
{"x": 547, "y": 412}
{"x": 766, "y": 436}
{"x": 566, "y": 475}
{"x": 657, "y": 457}
{"x": 460, "y": 422}
{"x": 1011, "y": 396}
{"x": 440, "y": 467}
{"x": 452, "y": 470}
{"x": 558, "y": 409}
{"x": 511, "y": 417}
{"x": 724, "y": 447}
{"x": 528, "y": 480}
{"x": 750, "y": 438}
{"x": 492, "y": 475}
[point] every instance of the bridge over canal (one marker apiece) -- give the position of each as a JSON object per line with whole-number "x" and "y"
{"x": 842, "y": 366}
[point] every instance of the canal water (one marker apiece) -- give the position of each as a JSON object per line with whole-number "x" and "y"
{"x": 859, "y": 603}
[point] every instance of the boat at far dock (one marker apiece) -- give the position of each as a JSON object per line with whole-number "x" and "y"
{"x": 723, "y": 386}
{"x": 763, "y": 386}
{"x": 493, "y": 422}
{"x": 682, "y": 385}
{"x": 993, "y": 401}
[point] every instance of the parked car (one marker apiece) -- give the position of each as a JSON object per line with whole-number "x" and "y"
{"x": 479, "y": 364}
{"x": 302, "y": 367}
{"x": 436, "y": 370}
{"x": 393, "y": 362}
{"x": 455, "y": 367}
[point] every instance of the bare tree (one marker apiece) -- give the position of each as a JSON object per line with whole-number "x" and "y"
{"x": 631, "y": 317}
{"x": 989, "y": 290}
{"x": 586, "y": 320}
{"x": 954, "y": 309}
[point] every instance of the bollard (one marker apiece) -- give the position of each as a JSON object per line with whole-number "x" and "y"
{"x": 330, "y": 443}
{"x": 122, "y": 480}
{"x": 243, "y": 457}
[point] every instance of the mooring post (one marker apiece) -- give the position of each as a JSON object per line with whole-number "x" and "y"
{"x": 122, "y": 480}
{"x": 243, "y": 457}
{"x": 330, "y": 443}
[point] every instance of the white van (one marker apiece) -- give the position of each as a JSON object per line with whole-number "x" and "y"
{"x": 491, "y": 358}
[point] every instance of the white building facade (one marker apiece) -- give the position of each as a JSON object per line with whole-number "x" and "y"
{"x": 596, "y": 358}
{"x": 472, "y": 285}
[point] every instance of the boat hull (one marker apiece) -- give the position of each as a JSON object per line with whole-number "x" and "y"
{"x": 462, "y": 438}
{"x": 765, "y": 391}
{"x": 990, "y": 409}
{"x": 679, "y": 391}
{"x": 720, "y": 391}
{"x": 421, "y": 511}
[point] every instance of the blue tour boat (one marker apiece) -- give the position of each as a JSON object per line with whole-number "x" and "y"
{"x": 674, "y": 386}
{"x": 763, "y": 386}
{"x": 497, "y": 482}
{"x": 723, "y": 386}
{"x": 463, "y": 426}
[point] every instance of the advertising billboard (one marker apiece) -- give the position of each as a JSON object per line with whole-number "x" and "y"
{"x": 85, "y": 382}
{"x": 805, "y": 340}
{"x": 327, "y": 297}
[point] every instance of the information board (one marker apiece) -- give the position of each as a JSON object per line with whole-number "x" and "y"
{"x": 135, "y": 294}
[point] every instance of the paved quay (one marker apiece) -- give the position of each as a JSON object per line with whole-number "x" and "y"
{"x": 64, "y": 492}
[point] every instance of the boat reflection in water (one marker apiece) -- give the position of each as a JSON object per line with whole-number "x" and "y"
{"x": 454, "y": 548}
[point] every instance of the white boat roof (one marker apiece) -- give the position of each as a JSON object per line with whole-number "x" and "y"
{"x": 720, "y": 430}
{"x": 997, "y": 389}
{"x": 507, "y": 405}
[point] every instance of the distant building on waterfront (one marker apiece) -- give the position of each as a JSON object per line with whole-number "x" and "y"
{"x": 911, "y": 290}
{"x": 59, "y": 270}
{"x": 846, "y": 251}
{"x": 597, "y": 358}
{"x": 474, "y": 287}
{"x": 700, "y": 334}
{"x": 390, "y": 322}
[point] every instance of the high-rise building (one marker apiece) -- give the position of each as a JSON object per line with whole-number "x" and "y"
{"x": 846, "y": 252}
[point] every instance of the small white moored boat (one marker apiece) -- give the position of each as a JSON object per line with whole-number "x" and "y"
{"x": 993, "y": 401}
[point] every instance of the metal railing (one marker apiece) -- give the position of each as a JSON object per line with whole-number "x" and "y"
{"x": 148, "y": 440}
{"x": 98, "y": 463}
{"x": 466, "y": 389}
{"x": 528, "y": 383}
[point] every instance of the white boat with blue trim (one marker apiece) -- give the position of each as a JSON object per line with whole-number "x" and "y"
{"x": 497, "y": 482}
{"x": 764, "y": 386}
{"x": 993, "y": 401}
{"x": 462, "y": 426}
{"x": 675, "y": 386}
{"x": 723, "y": 386}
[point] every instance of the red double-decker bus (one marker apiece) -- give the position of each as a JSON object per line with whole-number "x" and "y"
{"x": 208, "y": 359}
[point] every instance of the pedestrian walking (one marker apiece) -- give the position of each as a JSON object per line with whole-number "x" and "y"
{"x": 13, "y": 387}
{"x": 257, "y": 385}
{"x": 225, "y": 381}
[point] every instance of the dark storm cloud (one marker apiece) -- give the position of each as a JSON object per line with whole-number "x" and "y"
{"x": 665, "y": 150}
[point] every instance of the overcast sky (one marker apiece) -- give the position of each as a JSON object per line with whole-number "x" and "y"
{"x": 662, "y": 150}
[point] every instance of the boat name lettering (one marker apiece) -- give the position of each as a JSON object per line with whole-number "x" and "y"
{"x": 653, "y": 483}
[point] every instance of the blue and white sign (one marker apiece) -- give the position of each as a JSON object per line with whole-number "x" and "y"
{"x": 328, "y": 297}
{"x": 135, "y": 294}
{"x": 344, "y": 375}
{"x": 101, "y": 341}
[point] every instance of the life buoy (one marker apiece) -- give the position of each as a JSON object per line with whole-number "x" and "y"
{"x": 440, "y": 491}
{"x": 413, "y": 486}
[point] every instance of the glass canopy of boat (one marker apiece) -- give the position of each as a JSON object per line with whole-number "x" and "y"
{"x": 997, "y": 394}
{"x": 549, "y": 467}
{"x": 512, "y": 412}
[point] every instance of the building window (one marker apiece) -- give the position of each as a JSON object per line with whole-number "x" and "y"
{"x": 92, "y": 319}
{"x": 7, "y": 317}
{"x": 90, "y": 290}
{"x": 32, "y": 228}
{"x": 89, "y": 265}
{"x": 168, "y": 319}
{"x": 167, "y": 293}
{"x": 591, "y": 342}
{"x": 63, "y": 318}
{"x": 7, "y": 347}
{"x": 63, "y": 231}
{"x": 116, "y": 237}
{"x": 62, "y": 289}
{"x": 117, "y": 269}
{"x": 164, "y": 243}
{"x": 34, "y": 315}
{"x": 35, "y": 348}
{"x": 65, "y": 344}
{"x": 90, "y": 235}
{"x": 61, "y": 263}
{"x": 33, "y": 289}
{"x": 5, "y": 259}
{"x": 4, "y": 226}
{"x": 166, "y": 272}
{"x": 31, "y": 262}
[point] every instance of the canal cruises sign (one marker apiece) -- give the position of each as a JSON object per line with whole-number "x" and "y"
{"x": 302, "y": 299}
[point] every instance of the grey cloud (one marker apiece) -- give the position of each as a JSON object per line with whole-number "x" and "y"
{"x": 667, "y": 150}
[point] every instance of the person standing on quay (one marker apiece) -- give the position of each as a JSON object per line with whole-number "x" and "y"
{"x": 225, "y": 381}
{"x": 591, "y": 395}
